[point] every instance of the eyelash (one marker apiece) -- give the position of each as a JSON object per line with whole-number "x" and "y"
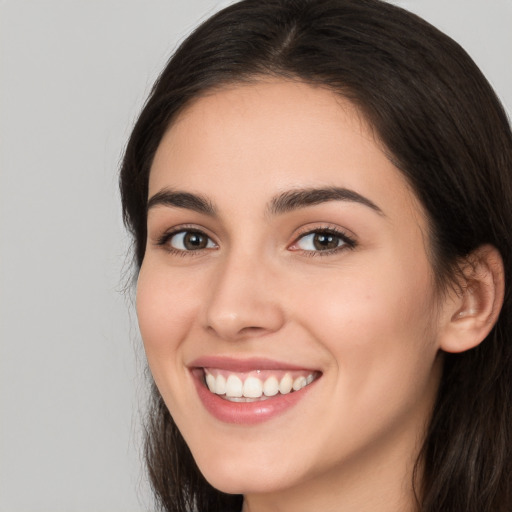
{"x": 163, "y": 241}
{"x": 347, "y": 241}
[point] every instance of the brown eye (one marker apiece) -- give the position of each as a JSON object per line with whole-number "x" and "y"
{"x": 325, "y": 241}
{"x": 191, "y": 241}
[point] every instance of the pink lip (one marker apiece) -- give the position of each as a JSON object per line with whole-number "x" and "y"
{"x": 242, "y": 365}
{"x": 244, "y": 413}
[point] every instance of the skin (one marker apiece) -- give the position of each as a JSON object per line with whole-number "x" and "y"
{"x": 368, "y": 317}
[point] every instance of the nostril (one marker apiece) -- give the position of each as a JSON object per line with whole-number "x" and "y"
{"x": 252, "y": 330}
{"x": 244, "y": 332}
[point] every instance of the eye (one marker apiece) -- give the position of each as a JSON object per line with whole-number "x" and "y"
{"x": 188, "y": 240}
{"x": 323, "y": 241}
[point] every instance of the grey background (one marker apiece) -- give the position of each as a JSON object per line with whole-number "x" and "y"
{"x": 73, "y": 75}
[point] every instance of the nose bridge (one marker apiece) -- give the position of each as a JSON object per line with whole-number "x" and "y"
{"x": 241, "y": 301}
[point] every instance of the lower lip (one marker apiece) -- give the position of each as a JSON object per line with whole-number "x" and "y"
{"x": 246, "y": 413}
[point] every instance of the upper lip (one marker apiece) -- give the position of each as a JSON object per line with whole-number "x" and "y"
{"x": 243, "y": 365}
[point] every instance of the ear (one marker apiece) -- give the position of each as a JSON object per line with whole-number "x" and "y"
{"x": 470, "y": 313}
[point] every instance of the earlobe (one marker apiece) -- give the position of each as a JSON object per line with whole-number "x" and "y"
{"x": 472, "y": 313}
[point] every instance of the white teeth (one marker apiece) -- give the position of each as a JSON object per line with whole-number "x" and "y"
{"x": 286, "y": 384}
{"x": 210, "y": 382}
{"x": 271, "y": 387}
{"x": 299, "y": 383}
{"x": 253, "y": 388}
{"x": 220, "y": 385}
{"x": 234, "y": 386}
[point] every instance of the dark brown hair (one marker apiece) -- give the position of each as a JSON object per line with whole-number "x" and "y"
{"x": 444, "y": 128}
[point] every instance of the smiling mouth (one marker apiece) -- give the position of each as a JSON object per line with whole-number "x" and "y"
{"x": 256, "y": 385}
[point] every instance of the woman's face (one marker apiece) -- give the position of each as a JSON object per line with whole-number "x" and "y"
{"x": 285, "y": 251}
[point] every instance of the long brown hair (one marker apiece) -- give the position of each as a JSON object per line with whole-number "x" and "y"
{"x": 444, "y": 128}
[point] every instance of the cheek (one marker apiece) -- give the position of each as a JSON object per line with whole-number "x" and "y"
{"x": 165, "y": 310}
{"x": 376, "y": 322}
{"x": 376, "y": 327}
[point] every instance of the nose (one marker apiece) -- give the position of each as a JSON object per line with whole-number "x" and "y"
{"x": 243, "y": 301}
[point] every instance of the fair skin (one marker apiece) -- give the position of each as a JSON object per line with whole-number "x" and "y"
{"x": 339, "y": 285}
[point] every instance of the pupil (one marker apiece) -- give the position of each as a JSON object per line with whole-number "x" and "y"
{"x": 194, "y": 241}
{"x": 325, "y": 241}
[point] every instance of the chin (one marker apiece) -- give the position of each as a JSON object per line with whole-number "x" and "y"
{"x": 255, "y": 481}
{"x": 246, "y": 474}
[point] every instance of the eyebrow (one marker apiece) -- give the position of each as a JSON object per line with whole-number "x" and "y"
{"x": 195, "y": 202}
{"x": 300, "y": 198}
{"x": 282, "y": 203}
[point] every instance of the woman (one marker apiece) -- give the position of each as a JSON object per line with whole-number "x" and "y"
{"x": 319, "y": 193}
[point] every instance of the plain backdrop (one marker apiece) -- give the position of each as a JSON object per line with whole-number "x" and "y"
{"x": 73, "y": 76}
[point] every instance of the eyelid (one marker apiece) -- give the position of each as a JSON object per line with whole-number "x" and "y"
{"x": 349, "y": 240}
{"x": 163, "y": 239}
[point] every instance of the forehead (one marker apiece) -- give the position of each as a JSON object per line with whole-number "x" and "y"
{"x": 257, "y": 139}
